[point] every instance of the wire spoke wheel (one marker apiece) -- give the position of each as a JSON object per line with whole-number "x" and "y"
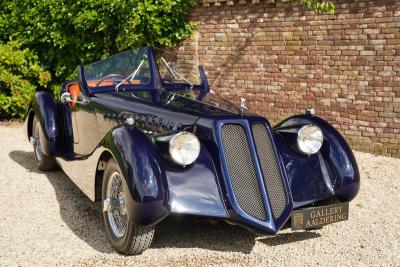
{"x": 115, "y": 205}
{"x": 125, "y": 236}
{"x": 43, "y": 162}
{"x": 36, "y": 145}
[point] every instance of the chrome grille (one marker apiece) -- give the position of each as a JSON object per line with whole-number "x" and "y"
{"x": 241, "y": 169}
{"x": 269, "y": 167}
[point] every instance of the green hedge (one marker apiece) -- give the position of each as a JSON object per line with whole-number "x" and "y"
{"x": 62, "y": 34}
{"x": 20, "y": 75}
{"x": 59, "y": 35}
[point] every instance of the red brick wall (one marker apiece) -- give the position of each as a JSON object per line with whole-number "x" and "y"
{"x": 284, "y": 59}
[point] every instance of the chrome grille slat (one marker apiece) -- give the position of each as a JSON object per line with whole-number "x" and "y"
{"x": 269, "y": 166}
{"x": 242, "y": 171}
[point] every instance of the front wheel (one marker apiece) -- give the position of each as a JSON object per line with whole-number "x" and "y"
{"x": 126, "y": 237}
{"x": 43, "y": 162}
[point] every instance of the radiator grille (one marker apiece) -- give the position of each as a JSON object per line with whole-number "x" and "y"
{"x": 269, "y": 167}
{"x": 242, "y": 171}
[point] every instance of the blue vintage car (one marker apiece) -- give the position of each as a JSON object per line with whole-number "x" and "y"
{"x": 142, "y": 132}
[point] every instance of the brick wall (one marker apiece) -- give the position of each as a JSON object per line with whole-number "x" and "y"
{"x": 284, "y": 59}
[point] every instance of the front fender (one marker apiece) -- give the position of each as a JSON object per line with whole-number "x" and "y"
{"x": 332, "y": 172}
{"x": 139, "y": 162}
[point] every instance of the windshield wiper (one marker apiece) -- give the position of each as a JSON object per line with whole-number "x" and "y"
{"x": 175, "y": 73}
{"x": 132, "y": 75}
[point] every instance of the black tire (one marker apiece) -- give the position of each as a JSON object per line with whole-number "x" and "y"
{"x": 136, "y": 239}
{"x": 43, "y": 162}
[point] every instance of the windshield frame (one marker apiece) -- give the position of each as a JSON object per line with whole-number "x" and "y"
{"x": 155, "y": 82}
{"x": 112, "y": 88}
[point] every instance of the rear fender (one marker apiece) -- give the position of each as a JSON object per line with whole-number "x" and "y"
{"x": 138, "y": 160}
{"x": 28, "y": 123}
{"x": 45, "y": 109}
{"x": 332, "y": 172}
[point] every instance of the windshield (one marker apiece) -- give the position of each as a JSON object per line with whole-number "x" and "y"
{"x": 178, "y": 71}
{"x": 130, "y": 67}
{"x": 177, "y": 67}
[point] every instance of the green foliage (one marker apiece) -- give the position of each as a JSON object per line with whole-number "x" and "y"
{"x": 67, "y": 33}
{"x": 319, "y": 6}
{"x": 20, "y": 74}
{"x": 63, "y": 34}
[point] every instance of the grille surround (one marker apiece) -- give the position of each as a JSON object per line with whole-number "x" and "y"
{"x": 247, "y": 191}
{"x": 245, "y": 139}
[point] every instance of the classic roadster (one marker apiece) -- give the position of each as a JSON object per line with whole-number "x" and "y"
{"x": 143, "y": 133}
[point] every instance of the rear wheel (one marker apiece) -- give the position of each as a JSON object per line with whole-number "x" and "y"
{"x": 126, "y": 237}
{"x": 43, "y": 162}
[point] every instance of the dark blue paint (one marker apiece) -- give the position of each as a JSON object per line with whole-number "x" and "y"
{"x": 82, "y": 81}
{"x": 28, "y": 121}
{"x": 333, "y": 172}
{"x": 46, "y": 111}
{"x": 272, "y": 225}
{"x": 204, "y": 87}
{"x": 158, "y": 188}
{"x": 195, "y": 189}
{"x": 144, "y": 176}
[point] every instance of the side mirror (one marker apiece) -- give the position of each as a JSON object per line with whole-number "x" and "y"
{"x": 66, "y": 98}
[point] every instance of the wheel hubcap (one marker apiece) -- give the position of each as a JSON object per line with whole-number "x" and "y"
{"x": 114, "y": 205}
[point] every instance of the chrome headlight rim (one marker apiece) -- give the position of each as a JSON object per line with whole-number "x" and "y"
{"x": 175, "y": 155}
{"x": 311, "y": 144}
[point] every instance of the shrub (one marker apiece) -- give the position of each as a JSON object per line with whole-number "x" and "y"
{"x": 20, "y": 76}
{"x": 65, "y": 34}
{"x": 319, "y": 6}
{"x": 62, "y": 35}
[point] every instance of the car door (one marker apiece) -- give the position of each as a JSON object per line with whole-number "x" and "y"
{"x": 84, "y": 124}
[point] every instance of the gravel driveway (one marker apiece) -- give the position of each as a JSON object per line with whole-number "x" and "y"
{"x": 46, "y": 220}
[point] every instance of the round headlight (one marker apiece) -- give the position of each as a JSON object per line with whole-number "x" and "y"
{"x": 184, "y": 148}
{"x": 309, "y": 139}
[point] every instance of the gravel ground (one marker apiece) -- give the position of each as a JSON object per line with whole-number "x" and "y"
{"x": 45, "y": 220}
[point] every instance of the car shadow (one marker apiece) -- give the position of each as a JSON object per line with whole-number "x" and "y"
{"x": 287, "y": 238}
{"x": 83, "y": 218}
{"x": 81, "y": 215}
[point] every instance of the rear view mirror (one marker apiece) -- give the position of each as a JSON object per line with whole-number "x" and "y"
{"x": 66, "y": 98}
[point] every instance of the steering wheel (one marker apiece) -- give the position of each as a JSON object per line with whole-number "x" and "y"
{"x": 112, "y": 75}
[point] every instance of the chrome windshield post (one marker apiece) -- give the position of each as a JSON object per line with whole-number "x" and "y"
{"x": 131, "y": 76}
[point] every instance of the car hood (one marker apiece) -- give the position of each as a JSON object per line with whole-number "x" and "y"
{"x": 164, "y": 107}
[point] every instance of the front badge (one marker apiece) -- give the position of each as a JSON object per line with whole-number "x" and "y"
{"x": 316, "y": 217}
